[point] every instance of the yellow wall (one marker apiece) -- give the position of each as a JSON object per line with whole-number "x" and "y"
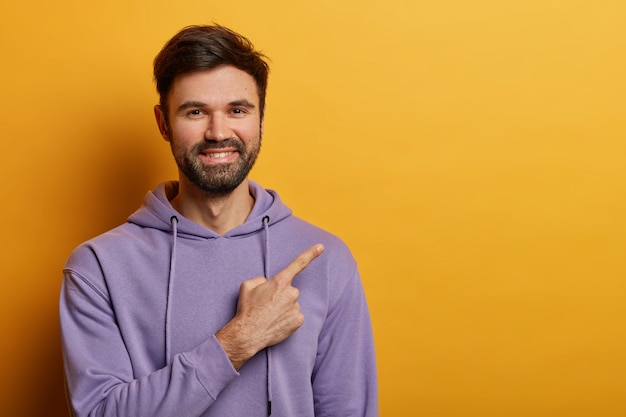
{"x": 472, "y": 154}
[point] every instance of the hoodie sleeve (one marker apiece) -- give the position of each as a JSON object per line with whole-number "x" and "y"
{"x": 99, "y": 373}
{"x": 344, "y": 377}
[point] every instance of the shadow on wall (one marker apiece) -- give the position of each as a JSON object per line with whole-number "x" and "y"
{"x": 118, "y": 172}
{"x": 107, "y": 182}
{"x": 44, "y": 375}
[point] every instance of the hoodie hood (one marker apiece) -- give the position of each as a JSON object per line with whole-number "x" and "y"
{"x": 157, "y": 212}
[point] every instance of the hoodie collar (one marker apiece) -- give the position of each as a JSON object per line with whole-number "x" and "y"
{"x": 156, "y": 212}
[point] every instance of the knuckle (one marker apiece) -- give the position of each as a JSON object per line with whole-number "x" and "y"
{"x": 293, "y": 293}
{"x": 251, "y": 283}
{"x": 299, "y": 319}
{"x": 296, "y": 292}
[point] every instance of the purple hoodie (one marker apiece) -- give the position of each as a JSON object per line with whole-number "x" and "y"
{"x": 140, "y": 306}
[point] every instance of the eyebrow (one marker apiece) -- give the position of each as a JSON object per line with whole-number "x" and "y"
{"x": 242, "y": 103}
{"x": 190, "y": 104}
{"x": 236, "y": 103}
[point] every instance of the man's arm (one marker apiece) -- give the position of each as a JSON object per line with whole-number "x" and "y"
{"x": 99, "y": 371}
{"x": 345, "y": 377}
{"x": 100, "y": 374}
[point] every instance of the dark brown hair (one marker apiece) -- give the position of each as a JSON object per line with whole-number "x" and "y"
{"x": 197, "y": 48}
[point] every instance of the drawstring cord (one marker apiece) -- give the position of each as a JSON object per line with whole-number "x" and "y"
{"x": 266, "y": 261}
{"x": 268, "y": 350}
{"x": 170, "y": 286}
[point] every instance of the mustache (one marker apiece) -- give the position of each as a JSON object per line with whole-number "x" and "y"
{"x": 214, "y": 144}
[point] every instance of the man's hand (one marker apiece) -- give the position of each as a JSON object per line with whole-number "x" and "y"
{"x": 267, "y": 311}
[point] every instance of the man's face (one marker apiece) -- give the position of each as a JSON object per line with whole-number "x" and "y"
{"x": 214, "y": 127}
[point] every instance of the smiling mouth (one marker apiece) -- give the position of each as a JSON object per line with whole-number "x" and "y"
{"x": 218, "y": 154}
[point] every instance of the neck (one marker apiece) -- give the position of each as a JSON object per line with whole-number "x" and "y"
{"x": 218, "y": 213}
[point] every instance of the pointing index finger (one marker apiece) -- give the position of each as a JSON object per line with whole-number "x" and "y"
{"x": 299, "y": 264}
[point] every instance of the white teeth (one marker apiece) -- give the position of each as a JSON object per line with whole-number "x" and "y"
{"x": 218, "y": 155}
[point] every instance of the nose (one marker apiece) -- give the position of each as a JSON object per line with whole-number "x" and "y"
{"x": 218, "y": 128}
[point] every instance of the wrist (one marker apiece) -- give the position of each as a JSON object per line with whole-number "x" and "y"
{"x": 235, "y": 345}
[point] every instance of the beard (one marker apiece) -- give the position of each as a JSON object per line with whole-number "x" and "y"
{"x": 217, "y": 179}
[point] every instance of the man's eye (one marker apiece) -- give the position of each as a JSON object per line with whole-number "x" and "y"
{"x": 238, "y": 111}
{"x": 194, "y": 112}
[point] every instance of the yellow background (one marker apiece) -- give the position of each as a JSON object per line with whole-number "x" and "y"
{"x": 471, "y": 153}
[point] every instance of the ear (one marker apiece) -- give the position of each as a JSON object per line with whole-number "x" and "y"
{"x": 161, "y": 121}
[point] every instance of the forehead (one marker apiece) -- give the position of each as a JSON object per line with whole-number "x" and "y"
{"x": 215, "y": 86}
